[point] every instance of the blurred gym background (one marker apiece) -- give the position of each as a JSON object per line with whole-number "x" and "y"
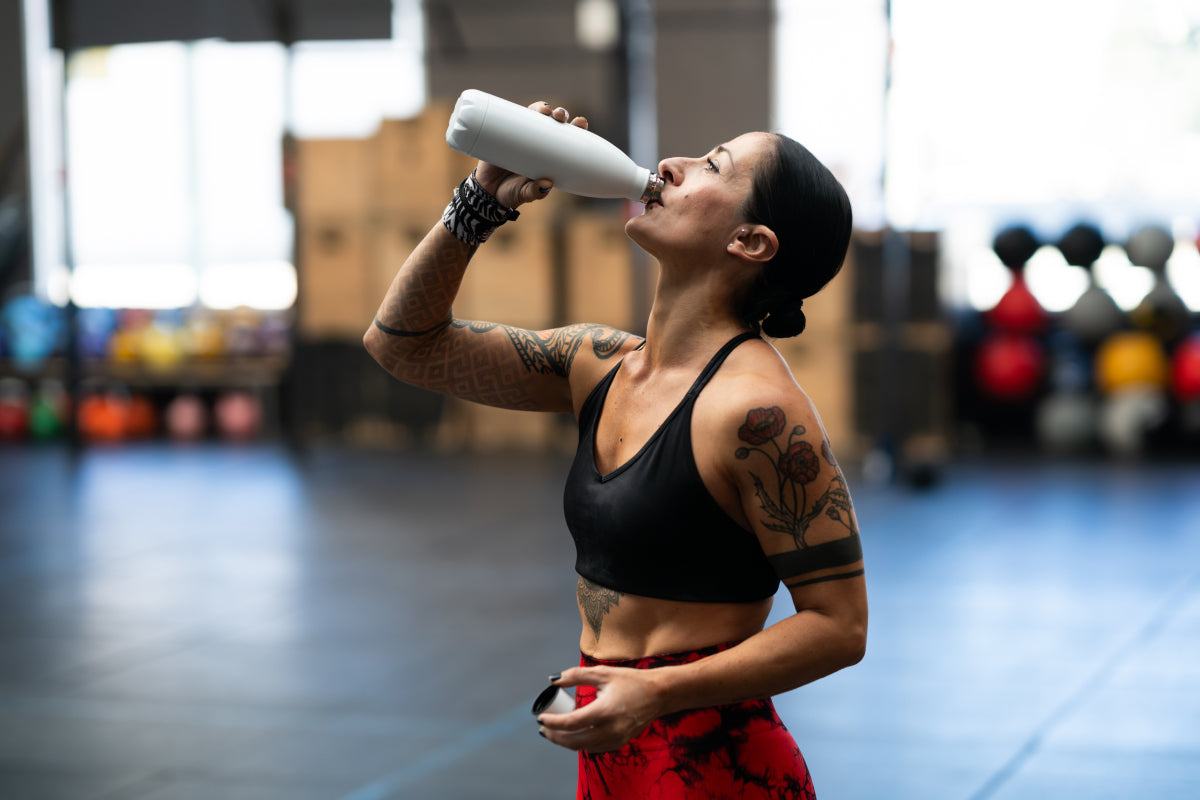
{"x": 202, "y": 203}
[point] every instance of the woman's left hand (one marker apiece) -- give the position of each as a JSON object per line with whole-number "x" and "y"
{"x": 626, "y": 702}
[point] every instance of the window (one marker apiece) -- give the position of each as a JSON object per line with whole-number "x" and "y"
{"x": 175, "y": 152}
{"x": 1039, "y": 111}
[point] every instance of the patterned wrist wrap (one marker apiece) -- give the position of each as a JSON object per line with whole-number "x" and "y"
{"x": 473, "y": 213}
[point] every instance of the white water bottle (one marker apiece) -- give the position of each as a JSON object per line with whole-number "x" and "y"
{"x": 532, "y": 144}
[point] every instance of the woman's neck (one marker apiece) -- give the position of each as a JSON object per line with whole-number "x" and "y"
{"x": 688, "y": 322}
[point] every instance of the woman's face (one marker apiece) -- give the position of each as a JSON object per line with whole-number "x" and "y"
{"x": 702, "y": 200}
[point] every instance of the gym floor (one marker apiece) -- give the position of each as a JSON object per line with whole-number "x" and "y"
{"x": 212, "y": 622}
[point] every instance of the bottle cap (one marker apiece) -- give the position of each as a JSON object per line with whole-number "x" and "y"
{"x": 654, "y": 187}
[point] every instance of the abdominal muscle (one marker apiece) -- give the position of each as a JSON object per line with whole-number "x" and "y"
{"x": 620, "y": 626}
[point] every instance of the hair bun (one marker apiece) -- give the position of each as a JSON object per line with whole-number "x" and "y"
{"x": 786, "y": 322}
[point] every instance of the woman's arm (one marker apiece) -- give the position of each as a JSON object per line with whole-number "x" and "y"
{"x": 795, "y": 497}
{"x": 416, "y": 337}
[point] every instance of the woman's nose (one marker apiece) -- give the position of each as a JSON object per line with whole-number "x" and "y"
{"x": 670, "y": 170}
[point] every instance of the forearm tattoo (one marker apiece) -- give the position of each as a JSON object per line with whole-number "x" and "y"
{"x": 595, "y": 601}
{"x": 784, "y": 497}
{"x": 421, "y": 298}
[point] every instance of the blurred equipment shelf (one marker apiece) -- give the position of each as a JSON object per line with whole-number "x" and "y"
{"x": 242, "y": 372}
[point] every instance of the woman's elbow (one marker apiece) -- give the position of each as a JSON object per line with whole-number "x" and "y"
{"x": 847, "y": 643}
{"x": 856, "y": 645}
{"x": 383, "y": 351}
{"x": 380, "y": 347}
{"x": 370, "y": 342}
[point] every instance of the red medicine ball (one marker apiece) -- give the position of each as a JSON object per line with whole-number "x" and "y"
{"x": 1185, "y": 369}
{"x": 1009, "y": 367}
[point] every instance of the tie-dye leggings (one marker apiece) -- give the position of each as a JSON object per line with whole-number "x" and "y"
{"x": 735, "y": 752}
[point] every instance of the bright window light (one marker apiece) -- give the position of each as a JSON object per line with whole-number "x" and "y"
{"x": 128, "y": 151}
{"x": 342, "y": 90}
{"x": 1183, "y": 272}
{"x": 987, "y": 279}
{"x": 1126, "y": 283}
{"x": 830, "y": 60}
{"x": 1044, "y": 112}
{"x": 1055, "y": 283}
{"x": 266, "y": 285}
{"x": 237, "y": 122}
{"x": 175, "y": 154}
{"x": 146, "y": 285}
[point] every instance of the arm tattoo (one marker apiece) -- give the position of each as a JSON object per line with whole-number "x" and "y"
{"x": 404, "y": 334}
{"x": 836, "y": 577}
{"x": 838, "y": 553}
{"x": 605, "y": 345}
{"x": 595, "y": 601}
{"x": 476, "y": 327}
{"x": 784, "y": 497}
{"x": 554, "y": 356}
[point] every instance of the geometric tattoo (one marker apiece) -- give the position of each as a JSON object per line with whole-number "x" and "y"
{"x": 784, "y": 498}
{"x": 555, "y": 355}
{"x": 545, "y": 358}
{"x": 595, "y": 601}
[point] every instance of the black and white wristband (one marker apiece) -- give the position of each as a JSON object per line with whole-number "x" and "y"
{"x": 473, "y": 213}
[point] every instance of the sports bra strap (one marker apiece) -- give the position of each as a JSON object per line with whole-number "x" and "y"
{"x": 717, "y": 360}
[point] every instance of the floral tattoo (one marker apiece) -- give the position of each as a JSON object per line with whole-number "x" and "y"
{"x": 795, "y": 465}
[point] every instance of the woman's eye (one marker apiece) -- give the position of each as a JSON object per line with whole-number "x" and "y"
{"x": 712, "y": 166}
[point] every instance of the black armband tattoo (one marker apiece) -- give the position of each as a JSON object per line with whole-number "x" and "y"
{"x": 412, "y": 334}
{"x": 838, "y": 553}
{"x": 840, "y": 576}
{"x": 473, "y": 214}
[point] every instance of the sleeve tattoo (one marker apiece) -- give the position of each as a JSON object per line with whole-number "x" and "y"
{"x": 785, "y": 502}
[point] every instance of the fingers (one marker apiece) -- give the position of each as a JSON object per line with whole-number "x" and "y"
{"x": 580, "y": 730}
{"x": 580, "y": 676}
{"x": 513, "y": 190}
{"x": 592, "y": 740}
{"x": 535, "y": 190}
{"x": 560, "y": 114}
{"x": 588, "y": 728}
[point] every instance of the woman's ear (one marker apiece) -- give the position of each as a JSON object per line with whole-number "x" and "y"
{"x": 756, "y": 243}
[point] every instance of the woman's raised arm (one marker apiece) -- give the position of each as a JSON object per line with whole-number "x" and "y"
{"x": 416, "y": 337}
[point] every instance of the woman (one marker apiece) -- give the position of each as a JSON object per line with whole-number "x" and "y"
{"x": 703, "y": 475}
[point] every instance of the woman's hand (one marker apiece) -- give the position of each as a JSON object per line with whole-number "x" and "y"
{"x": 511, "y": 189}
{"x": 627, "y": 700}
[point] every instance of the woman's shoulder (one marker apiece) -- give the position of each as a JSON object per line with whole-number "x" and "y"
{"x": 594, "y": 350}
{"x": 755, "y": 376}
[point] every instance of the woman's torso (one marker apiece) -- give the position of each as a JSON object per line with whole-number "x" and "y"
{"x": 635, "y": 409}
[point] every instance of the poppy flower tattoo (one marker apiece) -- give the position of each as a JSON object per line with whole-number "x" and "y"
{"x": 795, "y": 464}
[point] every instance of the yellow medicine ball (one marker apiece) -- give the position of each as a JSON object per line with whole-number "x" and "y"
{"x": 1131, "y": 358}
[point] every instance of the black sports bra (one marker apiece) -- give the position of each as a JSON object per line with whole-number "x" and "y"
{"x": 650, "y": 527}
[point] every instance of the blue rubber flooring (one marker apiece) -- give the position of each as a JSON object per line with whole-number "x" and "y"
{"x": 210, "y": 622}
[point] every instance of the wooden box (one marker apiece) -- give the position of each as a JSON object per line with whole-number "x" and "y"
{"x": 413, "y": 169}
{"x": 599, "y": 270}
{"x": 330, "y": 264}
{"x": 333, "y": 178}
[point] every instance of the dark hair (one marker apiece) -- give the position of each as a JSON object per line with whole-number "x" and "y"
{"x": 797, "y": 197}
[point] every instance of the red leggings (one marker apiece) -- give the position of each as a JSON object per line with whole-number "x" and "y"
{"x": 735, "y": 752}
